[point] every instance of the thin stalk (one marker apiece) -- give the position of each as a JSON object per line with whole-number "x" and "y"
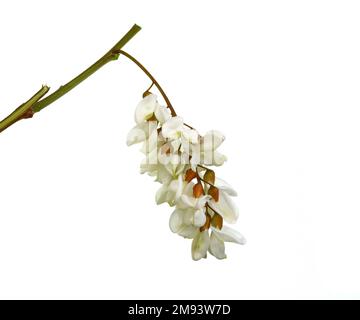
{"x": 168, "y": 103}
{"x": 154, "y": 82}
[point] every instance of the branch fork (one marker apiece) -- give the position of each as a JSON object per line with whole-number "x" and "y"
{"x": 38, "y": 101}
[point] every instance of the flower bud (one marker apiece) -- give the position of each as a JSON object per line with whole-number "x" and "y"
{"x": 189, "y": 175}
{"x": 198, "y": 190}
{"x": 209, "y": 176}
{"x": 214, "y": 193}
{"x": 207, "y": 223}
{"x": 217, "y": 221}
{"x": 146, "y": 93}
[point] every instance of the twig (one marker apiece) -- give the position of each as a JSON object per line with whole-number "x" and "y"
{"x": 36, "y": 104}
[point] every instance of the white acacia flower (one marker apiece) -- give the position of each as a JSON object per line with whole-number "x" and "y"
{"x": 163, "y": 173}
{"x": 180, "y": 223}
{"x": 215, "y": 243}
{"x": 200, "y": 245}
{"x": 224, "y": 186}
{"x": 162, "y": 114}
{"x": 226, "y": 207}
{"x": 189, "y": 135}
{"x": 228, "y": 234}
{"x": 205, "y": 152}
{"x": 187, "y": 200}
{"x": 146, "y": 108}
{"x": 176, "y": 156}
{"x": 141, "y": 132}
{"x": 172, "y": 163}
{"x": 182, "y": 218}
{"x": 170, "y": 192}
{"x": 172, "y": 128}
{"x": 219, "y": 237}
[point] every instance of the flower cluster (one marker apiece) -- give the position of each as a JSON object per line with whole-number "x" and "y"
{"x": 178, "y": 157}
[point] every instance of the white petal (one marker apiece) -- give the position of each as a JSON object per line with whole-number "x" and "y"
{"x": 188, "y": 217}
{"x": 140, "y": 132}
{"x": 202, "y": 201}
{"x": 199, "y": 218}
{"x": 151, "y": 143}
{"x": 174, "y": 191}
{"x": 150, "y": 162}
{"x": 161, "y": 194}
{"x": 175, "y": 222}
{"x": 225, "y": 207}
{"x": 194, "y": 162}
{"x": 212, "y": 140}
{"x": 185, "y": 147}
{"x": 180, "y": 187}
{"x": 162, "y": 114}
{"x": 171, "y": 129}
{"x": 145, "y": 108}
{"x": 230, "y": 235}
{"x": 135, "y": 135}
{"x": 162, "y": 175}
{"x": 190, "y": 135}
{"x": 173, "y": 161}
{"x": 149, "y": 168}
{"x": 224, "y": 186}
{"x": 188, "y": 201}
{"x": 196, "y": 156}
{"x": 200, "y": 245}
{"x": 180, "y": 169}
{"x": 173, "y": 186}
{"x": 217, "y": 246}
{"x": 175, "y": 144}
{"x": 188, "y": 231}
{"x": 188, "y": 190}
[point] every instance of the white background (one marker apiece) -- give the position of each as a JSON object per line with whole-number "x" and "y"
{"x": 280, "y": 78}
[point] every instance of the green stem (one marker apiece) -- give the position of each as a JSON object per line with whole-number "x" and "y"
{"x": 24, "y": 111}
{"x": 109, "y": 56}
{"x": 37, "y": 105}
